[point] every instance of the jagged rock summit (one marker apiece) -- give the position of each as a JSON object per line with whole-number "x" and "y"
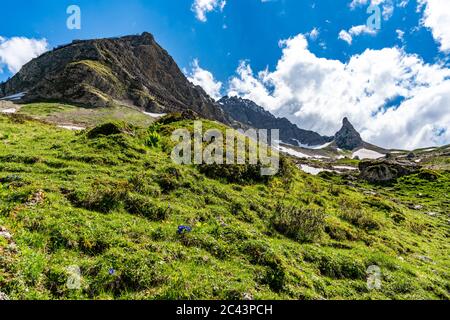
{"x": 249, "y": 113}
{"x": 95, "y": 73}
{"x": 348, "y": 138}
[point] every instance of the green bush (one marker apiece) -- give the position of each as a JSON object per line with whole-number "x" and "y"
{"x": 143, "y": 206}
{"x": 108, "y": 129}
{"x": 243, "y": 174}
{"x": 144, "y": 185}
{"x": 261, "y": 254}
{"x": 353, "y": 213}
{"x": 360, "y": 218}
{"x": 428, "y": 175}
{"x": 169, "y": 180}
{"x": 101, "y": 197}
{"x": 336, "y": 266}
{"x": 153, "y": 139}
{"x": 301, "y": 224}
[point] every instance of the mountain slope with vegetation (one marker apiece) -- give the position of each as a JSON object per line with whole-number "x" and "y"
{"x": 110, "y": 200}
{"x": 131, "y": 70}
{"x": 249, "y": 113}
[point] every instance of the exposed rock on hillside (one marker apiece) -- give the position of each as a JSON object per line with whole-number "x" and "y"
{"x": 385, "y": 171}
{"x": 131, "y": 69}
{"x": 249, "y": 113}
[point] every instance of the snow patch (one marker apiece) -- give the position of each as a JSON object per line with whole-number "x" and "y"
{"x": 155, "y": 115}
{"x": 318, "y": 147}
{"x": 344, "y": 168}
{"x": 293, "y": 152}
{"x": 72, "y": 128}
{"x": 9, "y": 111}
{"x": 367, "y": 154}
{"x": 14, "y": 97}
{"x": 311, "y": 170}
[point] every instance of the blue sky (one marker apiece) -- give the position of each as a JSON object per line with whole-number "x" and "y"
{"x": 247, "y": 33}
{"x": 252, "y": 31}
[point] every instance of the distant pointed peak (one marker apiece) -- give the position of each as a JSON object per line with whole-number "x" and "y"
{"x": 346, "y": 122}
{"x": 348, "y": 138}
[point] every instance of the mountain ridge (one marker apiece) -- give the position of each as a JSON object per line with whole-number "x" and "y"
{"x": 96, "y": 73}
{"x": 248, "y": 112}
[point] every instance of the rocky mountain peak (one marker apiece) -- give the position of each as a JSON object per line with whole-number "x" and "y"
{"x": 250, "y": 114}
{"x": 348, "y": 138}
{"x": 127, "y": 70}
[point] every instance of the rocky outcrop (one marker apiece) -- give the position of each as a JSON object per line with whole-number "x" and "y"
{"x": 249, "y": 113}
{"x": 385, "y": 171}
{"x": 95, "y": 73}
{"x": 348, "y": 138}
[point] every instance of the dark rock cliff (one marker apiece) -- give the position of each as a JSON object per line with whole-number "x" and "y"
{"x": 249, "y": 113}
{"x": 95, "y": 73}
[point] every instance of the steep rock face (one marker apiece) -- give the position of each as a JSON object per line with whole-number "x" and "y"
{"x": 249, "y": 113}
{"x": 131, "y": 69}
{"x": 348, "y": 138}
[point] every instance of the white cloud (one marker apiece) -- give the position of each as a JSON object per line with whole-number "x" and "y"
{"x": 17, "y": 51}
{"x": 316, "y": 93}
{"x": 314, "y": 34}
{"x": 387, "y": 6}
{"x": 403, "y": 3}
{"x": 355, "y": 31}
{"x": 437, "y": 18}
{"x": 400, "y": 34}
{"x": 361, "y": 29}
{"x": 344, "y": 35}
{"x": 358, "y": 3}
{"x": 388, "y": 10}
{"x": 205, "y": 79}
{"x": 202, "y": 7}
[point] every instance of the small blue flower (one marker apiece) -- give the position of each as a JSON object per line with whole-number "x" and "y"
{"x": 112, "y": 271}
{"x": 184, "y": 229}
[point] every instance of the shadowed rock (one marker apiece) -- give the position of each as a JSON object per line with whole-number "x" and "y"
{"x": 97, "y": 73}
{"x": 249, "y": 113}
{"x": 385, "y": 171}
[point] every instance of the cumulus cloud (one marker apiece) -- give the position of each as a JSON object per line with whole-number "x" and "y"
{"x": 347, "y": 37}
{"x": 355, "y": 31}
{"x": 358, "y": 3}
{"x": 314, "y": 34}
{"x": 205, "y": 79}
{"x": 17, "y": 51}
{"x": 202, "y": 7}
{"x": 387, "y": 6}
{"x": 437, "y": 18}
{"x": 400, "y": 34}
{"x": 394, "y": 99}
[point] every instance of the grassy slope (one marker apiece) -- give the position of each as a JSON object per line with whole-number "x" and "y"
{"x": 67, "y": 114}
{"x": 113, "y": 202}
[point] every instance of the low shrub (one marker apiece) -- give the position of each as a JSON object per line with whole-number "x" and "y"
{"x": 300, "y": 224}
{"x": 361, "y": 219}
{"x": 101, "y": 197}
{"x": 143, "y": 206}
{"x": 260, "y": 254}
{"x": 336, "y": 266}
{"x": 169, "y": 180}
{"x": 428, "y": 175}
{"x": 153, "y": 139}
{"x": 108, "y": 129}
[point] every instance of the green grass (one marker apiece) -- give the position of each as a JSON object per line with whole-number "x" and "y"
{"x": 67, "y": 114}
{"x": 115, "y": 202}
